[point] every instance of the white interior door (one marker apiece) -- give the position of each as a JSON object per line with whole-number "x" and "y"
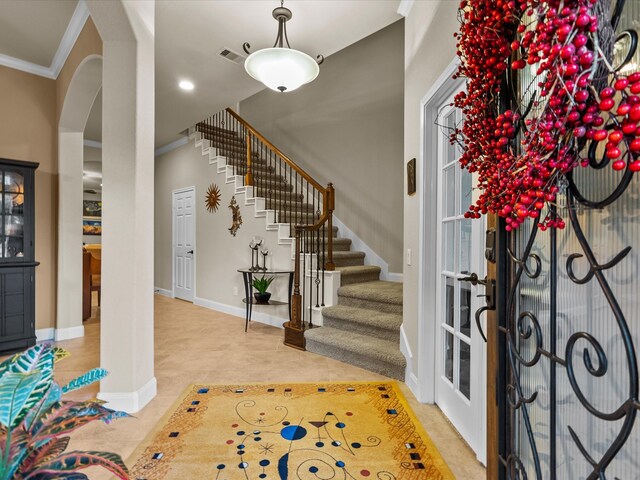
{"x": 184, "y": 235}
{"x": 460, "y": 349}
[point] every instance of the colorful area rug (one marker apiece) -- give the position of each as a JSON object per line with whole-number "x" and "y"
{"x": 313, "y": 431}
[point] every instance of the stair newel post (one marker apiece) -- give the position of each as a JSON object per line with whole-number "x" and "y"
{"x": 248, "y": 179}
{"x": 330, "y": 205}
{"x": 294, "y": 329}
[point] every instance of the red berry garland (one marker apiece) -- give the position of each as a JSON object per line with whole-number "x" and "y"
{"x": 561, "y": 45}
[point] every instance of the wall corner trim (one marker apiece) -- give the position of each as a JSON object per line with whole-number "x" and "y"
{"x": 171, "y": 146}
{"x": 69, "y": 333}
{"x": 405, "y": 7}
{"x": 131, "y": 402}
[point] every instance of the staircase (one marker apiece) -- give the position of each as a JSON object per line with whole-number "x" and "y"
{"x": 364, "y": 327}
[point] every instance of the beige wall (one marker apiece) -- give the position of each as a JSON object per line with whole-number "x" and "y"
{"x": 28, "y": 131}
{"x": 218, "y": 253}
{"x": 429, "y": 49}
{"x": 29, "y": 115}
{"x": 346, "y": 128}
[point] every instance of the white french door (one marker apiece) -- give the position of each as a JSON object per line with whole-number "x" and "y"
{"x": 460, "y": 349}
{"x": 184, "y": 235}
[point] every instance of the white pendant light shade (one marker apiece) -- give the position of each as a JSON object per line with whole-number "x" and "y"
{"x": 281, "y": 69}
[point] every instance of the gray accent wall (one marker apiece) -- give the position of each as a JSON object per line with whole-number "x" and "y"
{"x": 346, "y": 127}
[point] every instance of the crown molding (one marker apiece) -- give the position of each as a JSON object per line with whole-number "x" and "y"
{"x": 405, "y": 7}
{"x": 171, "y": 146}
{"x": 76, "y": 24}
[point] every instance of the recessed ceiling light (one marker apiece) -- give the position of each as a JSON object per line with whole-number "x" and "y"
{"x": 186, "y": 85}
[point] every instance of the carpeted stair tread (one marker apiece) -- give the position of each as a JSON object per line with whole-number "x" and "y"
{"x": 358, "y": 274}
{"x": 348, "y": 258}
{"x": 374, "y": 354}
{"x": 339, "y": 244}
{"x": 379, "y": 292}
{"x": 363, "y": 320}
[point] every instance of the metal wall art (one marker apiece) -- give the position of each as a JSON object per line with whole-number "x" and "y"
{"x": 236, "y": 217}
{"x": 212, "y": 201}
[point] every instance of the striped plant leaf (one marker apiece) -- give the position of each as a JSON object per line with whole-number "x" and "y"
{"x": 15, "y": 391}
{"x": 45, "y": 452}
{"x": 88, "y": 378}
{"x": 38, "y": 358}
{"x": 59, "y": 354}
{"x": 114, "y": 416}
{"x": 66, "y": 417}
{"x": 62, "y": 476}
{"x": 18, "y": 450}
{"x": 73, "y": 461}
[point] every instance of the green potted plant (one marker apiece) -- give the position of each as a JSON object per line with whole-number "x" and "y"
{"x": 261, "y": 285}
{"x": 35, "y": 420}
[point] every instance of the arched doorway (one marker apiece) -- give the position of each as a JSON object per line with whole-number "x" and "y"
{"x": 81, "y": 94}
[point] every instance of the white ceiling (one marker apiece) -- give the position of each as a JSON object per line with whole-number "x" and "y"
{"x": 189, "y": 33}
{"x": 32, "y": 30}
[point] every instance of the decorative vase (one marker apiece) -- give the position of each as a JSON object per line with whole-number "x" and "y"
{"x": 262, "y": 298}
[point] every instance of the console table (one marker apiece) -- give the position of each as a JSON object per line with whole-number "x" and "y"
{"x": 247, "y": 276}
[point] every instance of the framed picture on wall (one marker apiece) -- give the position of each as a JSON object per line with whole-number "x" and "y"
{"x": 411, "y": 176}
{"x": 90, "y": 226}
{"x": 92, "y": 208}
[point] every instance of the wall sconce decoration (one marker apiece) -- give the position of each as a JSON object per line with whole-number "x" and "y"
{"x": 213, "y": 198}
{"x": 236, "y": 217}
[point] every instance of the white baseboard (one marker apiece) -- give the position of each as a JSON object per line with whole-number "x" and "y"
{"x": 395, "y": 277}
{"x": 371, "y": 257}
{"x": 163, "y": 291}
{"x": 409, "y": 377}
{"x": 69, "y": 333}
{"x": 45, "y": 334}
{"x": 131, "y": 402}
{"x": 240, "y": 312}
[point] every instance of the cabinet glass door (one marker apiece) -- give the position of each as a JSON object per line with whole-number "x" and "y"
{"x": 12, "y": 225}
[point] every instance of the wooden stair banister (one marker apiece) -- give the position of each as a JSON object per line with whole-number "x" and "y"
{"x": 294, "y": 196}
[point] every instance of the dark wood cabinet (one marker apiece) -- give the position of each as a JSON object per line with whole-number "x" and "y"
{"x": 17, "y": 261}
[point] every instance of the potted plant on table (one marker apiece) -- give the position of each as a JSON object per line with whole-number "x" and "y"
{"x": 261, "y": 285}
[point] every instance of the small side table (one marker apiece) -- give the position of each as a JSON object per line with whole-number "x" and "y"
{"x": 247, "y": 276}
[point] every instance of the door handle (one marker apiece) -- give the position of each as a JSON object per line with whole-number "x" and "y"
{"x": 473, "y": 279}
{"x": 479, "y": 312}
{"x": 190, "y": 251}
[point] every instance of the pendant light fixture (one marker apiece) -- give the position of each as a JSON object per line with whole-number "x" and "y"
{"x": 281, "y": 68}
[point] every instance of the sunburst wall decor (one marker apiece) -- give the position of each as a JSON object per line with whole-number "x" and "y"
{"x": 213, "y": 198}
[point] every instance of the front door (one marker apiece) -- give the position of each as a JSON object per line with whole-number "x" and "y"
{"x": 184, "y": 233}
{"x": 460, "y": 350}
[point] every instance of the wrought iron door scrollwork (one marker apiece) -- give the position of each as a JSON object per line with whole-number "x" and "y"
{"x": 532, "y": 340}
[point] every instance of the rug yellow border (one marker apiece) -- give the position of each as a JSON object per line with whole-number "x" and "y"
{"x": 438, "y": 460}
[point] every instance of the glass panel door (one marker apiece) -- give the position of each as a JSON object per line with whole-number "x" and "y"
{"x": 460, "y": 353}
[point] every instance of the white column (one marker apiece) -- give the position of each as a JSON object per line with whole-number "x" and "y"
{"x": 69, "y": 308}
{"x": 126, "y": 343}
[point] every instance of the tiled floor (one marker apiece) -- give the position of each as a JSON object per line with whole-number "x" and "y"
{"x": 195, "y": 344}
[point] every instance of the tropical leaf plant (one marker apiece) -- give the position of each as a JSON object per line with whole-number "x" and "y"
{"x": 35, "y": 422}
